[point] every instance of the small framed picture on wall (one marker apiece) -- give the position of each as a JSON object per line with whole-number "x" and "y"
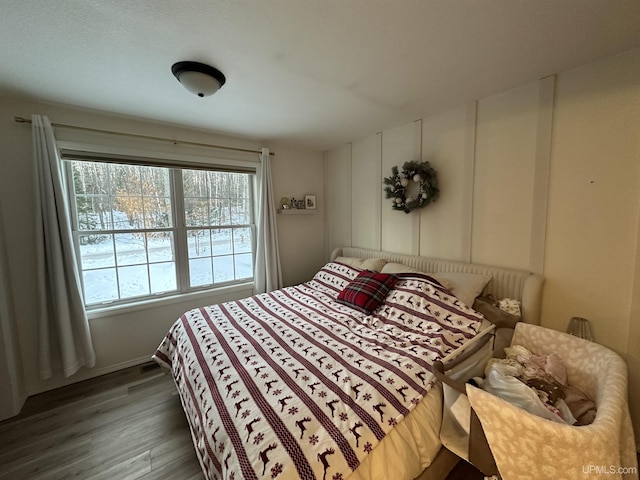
{"x": 310, "y": 202}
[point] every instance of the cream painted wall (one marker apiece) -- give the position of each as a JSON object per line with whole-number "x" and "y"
{"x": 544, "y": 177}
{"x": 297, "y": 173}
{"x": 446, "y": 139}
{"x": 503, "y": 183}
{"x": 123, "y": 339}
{"x": 366, "y": 159}
{"x": 485, "y": 155}
{"x": 594, "y": 198}
{"x": 400, "y": 232}
{"x": 591, "y": 262}
{"x": 337, "y": 191}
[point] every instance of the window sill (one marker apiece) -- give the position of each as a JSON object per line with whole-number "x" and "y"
{"x": 111, "y": 310}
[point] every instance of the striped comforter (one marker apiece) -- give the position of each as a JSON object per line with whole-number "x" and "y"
{"x": 292, "y": 384}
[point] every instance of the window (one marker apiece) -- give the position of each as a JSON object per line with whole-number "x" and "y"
{"x": 143, "y": 231}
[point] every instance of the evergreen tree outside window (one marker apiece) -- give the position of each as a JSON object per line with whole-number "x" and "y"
{"x": 146, "y": 231}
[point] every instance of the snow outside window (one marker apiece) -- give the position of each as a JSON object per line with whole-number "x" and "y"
{"x": 146, "y": 231}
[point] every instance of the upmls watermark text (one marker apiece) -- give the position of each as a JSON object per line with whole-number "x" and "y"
{"x": 608, "y": 470}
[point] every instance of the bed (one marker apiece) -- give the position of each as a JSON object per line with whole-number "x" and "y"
{"x": 331, "y": 379}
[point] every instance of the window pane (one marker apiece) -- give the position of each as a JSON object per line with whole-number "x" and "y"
{"x": 195, "y": 183}
{"x": 163, "y": 277}
{"x": 155, "y": 182}
{"x": 200, "y": 272}
{"x": 100, "y": 285}
{"x": 244, "y": 266}
{"x": 128, "y": 213}
{"x": 126, "y": 180}
{"x": 94, "y": 212}
{"x": 222, "y": 241}
{"x": 90, "y": 178}
{"x": 96, "y": 251}
{"x": 160, "y": 247}
{"x": 199, "y": 243}
{"x": 220, "y": 213}
{"x": 134, "y": 281}
{"x": 239, "y": 186}
{"x": 241, "y": 240}
{"x": 240, "y": 213}
{"x": 130, "y": 248}
{"x": 223, "y": 269}
{"x": 112, "y": 198}
{"x": 196, "y": 212}
{"x": 157, "y": 212}
{"x": 219, "y": 184}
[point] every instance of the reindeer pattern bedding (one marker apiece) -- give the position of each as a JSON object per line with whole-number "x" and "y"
{"x": 292, "y": 384}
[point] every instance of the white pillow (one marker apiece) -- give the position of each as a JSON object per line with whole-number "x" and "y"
{"x": 392, "y": 267}
{"x": 374, "y": 264}
{"x": 465, "y": 286}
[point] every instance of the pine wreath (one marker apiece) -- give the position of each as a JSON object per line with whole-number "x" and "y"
{"x": 397, "y": 184}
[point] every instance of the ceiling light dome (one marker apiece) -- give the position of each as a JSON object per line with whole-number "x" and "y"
{"x": 200, "y": 79}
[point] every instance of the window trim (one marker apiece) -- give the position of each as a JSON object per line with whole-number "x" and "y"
{"x": 175, "y": 164}
{"x": 109, "y": 310}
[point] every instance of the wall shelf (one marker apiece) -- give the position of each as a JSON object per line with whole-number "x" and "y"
{"x": 297, "y": 211}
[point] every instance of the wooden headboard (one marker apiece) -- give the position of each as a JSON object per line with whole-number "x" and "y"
{"x": 505, "y": 282}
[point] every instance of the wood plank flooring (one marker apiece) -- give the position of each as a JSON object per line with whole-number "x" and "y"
{"x": 128, "y": 425}
{"x": 123, "y": 426}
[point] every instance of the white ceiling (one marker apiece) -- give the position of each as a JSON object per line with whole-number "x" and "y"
{"x": 316, "y": 73}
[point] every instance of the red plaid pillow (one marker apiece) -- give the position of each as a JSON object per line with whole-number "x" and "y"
{"x": 367, "y": 291}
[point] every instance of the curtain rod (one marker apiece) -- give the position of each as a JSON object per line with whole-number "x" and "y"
{"x": 146, "y": 137}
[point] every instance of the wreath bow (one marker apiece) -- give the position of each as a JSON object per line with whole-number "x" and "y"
{"x": 398, "y": 183}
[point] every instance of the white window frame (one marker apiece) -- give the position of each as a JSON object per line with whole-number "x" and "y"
{"x": 176, "y": 164}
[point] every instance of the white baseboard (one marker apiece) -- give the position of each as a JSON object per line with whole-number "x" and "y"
{"x": 88, "y": 373}
{"x": 120, "y": 366}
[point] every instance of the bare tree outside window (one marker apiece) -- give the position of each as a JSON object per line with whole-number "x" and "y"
{"x": 128, "y": 232}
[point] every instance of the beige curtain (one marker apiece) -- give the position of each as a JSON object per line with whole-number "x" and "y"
{"x": 64, "y": 338}
{"x": 11, "y": 378}
{"x": 267, "y": 274}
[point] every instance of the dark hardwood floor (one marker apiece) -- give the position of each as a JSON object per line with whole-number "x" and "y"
{"x": 126, "y": 425}
{"x": 123, "y": 426}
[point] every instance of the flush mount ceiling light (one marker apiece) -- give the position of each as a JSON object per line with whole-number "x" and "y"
{"x": 200, "y": 79}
